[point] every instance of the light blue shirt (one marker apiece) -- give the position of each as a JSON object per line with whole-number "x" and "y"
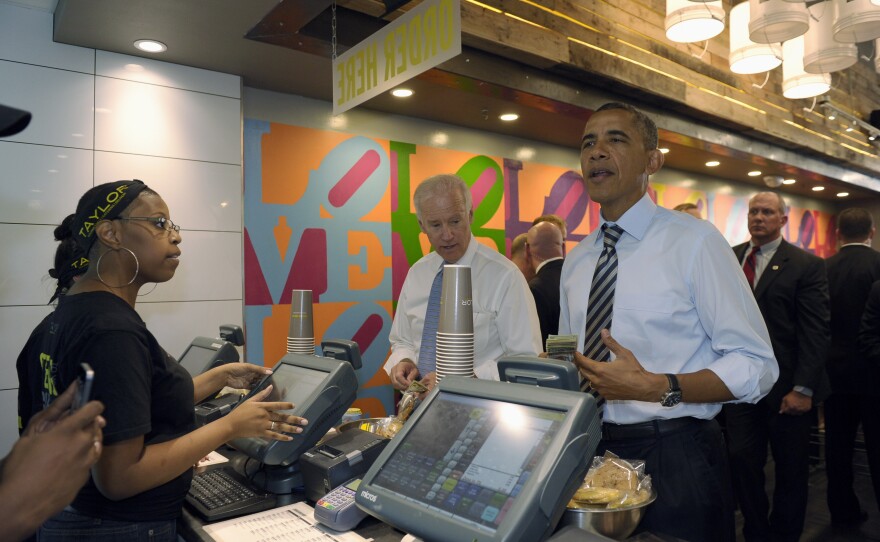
{"x": 681, "y": 304}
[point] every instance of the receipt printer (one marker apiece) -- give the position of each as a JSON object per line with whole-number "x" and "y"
{"x": 339, "y": 459}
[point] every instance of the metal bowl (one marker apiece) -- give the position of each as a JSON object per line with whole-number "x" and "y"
{"x": 616, "y": 523}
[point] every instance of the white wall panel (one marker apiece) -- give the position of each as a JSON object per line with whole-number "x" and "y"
{"x": 8, "y": 420}
{"x": 154, "y": 72}
{"x": 24, "y": 278}
{"x": 16, "y": 324}
{"x": 139, "y": 118}
{"x": 40, "y": 184}
{"x": 176, "y": 324}
{"x": 60, "y": 101}
{"x": 26, "y": 36}
{"x": 200, "y": 195}
{"x": 210, "y": 269}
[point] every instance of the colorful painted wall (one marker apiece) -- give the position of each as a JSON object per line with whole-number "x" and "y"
{"x": 332, "y": 212}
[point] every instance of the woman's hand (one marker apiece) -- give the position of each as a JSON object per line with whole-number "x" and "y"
{"x": 254, "y": 418}
{"x": 244, "y": 376}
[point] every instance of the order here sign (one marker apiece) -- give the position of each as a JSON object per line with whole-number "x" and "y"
{"x": 425, "y": 36}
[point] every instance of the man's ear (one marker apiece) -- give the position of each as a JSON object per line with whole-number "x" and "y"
{"x": 107, "y": 232}
{"x": 655, "y": 161}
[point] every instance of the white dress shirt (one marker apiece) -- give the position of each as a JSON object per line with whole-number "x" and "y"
{"x": 681, "y": 304}
{"x": 505, "y": 318}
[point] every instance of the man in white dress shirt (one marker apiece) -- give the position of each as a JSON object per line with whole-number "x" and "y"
{"x": 691, "y": 335}
{"x": 505, "y": 320}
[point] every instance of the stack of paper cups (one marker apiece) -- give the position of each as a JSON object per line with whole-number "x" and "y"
{"x": 455, "y": 332}
{"x": 301, "y": 336}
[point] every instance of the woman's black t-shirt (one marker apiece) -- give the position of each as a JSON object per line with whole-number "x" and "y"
{"x": 144, "y": 391}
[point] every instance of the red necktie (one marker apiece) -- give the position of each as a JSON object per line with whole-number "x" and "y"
{"x": 749, "y": 266}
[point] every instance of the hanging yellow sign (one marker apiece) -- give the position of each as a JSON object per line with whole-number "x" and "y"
{"x": 424, "y": 37}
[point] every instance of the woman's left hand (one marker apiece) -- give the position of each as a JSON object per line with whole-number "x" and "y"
{"x": 244, "y": 376}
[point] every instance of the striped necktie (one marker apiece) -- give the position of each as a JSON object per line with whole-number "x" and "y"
{"x": 428, "y": 348}
{"x": 749, "y": 266}
{"x": 601, "y": 303}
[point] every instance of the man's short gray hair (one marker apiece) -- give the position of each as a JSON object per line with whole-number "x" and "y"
{"x": 442, "y": 184}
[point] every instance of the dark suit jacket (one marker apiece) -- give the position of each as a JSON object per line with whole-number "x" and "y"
{"x": 545, "y": 289}
{"x": 869, "y": 340}
{"x": 792, "y": 294}
{"x": 851, "y": 272}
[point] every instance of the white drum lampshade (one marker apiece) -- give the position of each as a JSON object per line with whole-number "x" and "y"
{"x": 822, "y": 54}
{"x": 796, "y": 83}
{"x": 772, "y": 21}
{"x": 689, "y": 22}
{"x": 746, "y": 56}
{"x": 856, "y": 20}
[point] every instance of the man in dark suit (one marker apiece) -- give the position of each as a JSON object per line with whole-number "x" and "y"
{"x": 854, "y": 394}
{"x": 791, "y": 289}
{"x": 544, "y": 247}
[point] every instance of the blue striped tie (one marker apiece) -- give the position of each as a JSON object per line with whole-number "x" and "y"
{"x": 601, "y": 303}
{"x": 428, "y": 349}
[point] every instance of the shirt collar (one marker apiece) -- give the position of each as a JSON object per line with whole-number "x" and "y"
{"x": 767, "y": 248}
{"x": 636, "y": 219}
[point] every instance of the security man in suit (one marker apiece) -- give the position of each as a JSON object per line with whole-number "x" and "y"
{"x": 853, "y": 399}
{"x": 544, "y": 248}
{"x": 791, "y": 289}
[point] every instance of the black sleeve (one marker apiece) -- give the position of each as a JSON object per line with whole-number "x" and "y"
{"x": 813, "y": 329}
{"x": 123, "y": 375}
{"x": 869, "y": 332}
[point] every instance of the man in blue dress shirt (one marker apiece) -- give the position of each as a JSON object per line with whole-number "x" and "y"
{"x": 691, "y": 335}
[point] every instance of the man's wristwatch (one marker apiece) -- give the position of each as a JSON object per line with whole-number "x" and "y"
{"x": 672, "y": 396}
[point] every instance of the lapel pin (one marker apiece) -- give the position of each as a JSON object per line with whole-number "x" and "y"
{"x": 776, "y": 268}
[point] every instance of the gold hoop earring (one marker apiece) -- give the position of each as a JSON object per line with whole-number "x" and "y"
{"x": 137, "y": 267}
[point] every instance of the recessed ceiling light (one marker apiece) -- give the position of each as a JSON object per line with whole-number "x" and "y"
{"x": 664, "y": 150}
{"x": 754, "y": 173}
{"x": 842, "y": 194}
{"x": 151, "y": 46}
{"x": 401, "y": 93}
{"x": 789, "y": 181}
{"x": 818, "y": 188}
{"x": 713, "y": 163}
{"x": 509, "y": 117}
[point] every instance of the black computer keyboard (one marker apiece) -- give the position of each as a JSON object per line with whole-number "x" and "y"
{"x": 223, "y": 493}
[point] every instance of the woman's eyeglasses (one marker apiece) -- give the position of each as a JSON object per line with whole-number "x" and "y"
{"x": 159, "y": 221}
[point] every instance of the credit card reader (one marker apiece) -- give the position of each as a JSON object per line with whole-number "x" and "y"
{"x": 337, "y": 509}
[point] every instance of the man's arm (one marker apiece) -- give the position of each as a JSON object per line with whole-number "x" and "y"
{"x": 626, "y": 379}
{"x": 49, "y": 464}
{"x": 869, "y": 332}
{"x": 517, "y": 318}
{"x": 813, "y": 335}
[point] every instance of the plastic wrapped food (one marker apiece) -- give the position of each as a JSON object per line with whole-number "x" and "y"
{"x": 612, "y": 482}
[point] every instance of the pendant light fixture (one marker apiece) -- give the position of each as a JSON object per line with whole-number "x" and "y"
{"x": 822, "y": 53}
{"x": 856, "y": 20}
{"x": 746, "y": 56}
{"x": 772, "y": 21}
{"x": 689, "y": 22}
{"x": 796, "y": 83}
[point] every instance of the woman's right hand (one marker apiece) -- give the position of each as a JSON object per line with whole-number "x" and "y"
{"x": 254, "y": 418}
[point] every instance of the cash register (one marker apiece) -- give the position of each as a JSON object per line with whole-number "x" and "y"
{"x": 484, "y": 461}
{"x": 321, "y": 388}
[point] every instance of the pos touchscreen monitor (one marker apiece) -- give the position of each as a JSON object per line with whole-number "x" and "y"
{"x": 484, "y": 461}
{"x": 204, "y": 353}
{"x": 321, "y": 390}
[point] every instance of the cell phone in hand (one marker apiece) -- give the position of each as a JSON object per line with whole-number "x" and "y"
{"x": 85, "y": 378}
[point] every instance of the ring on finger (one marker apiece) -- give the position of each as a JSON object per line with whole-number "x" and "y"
{"x": 272, "y": 427}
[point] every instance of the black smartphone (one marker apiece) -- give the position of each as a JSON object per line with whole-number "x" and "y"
{"x": 85, "y": 378}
